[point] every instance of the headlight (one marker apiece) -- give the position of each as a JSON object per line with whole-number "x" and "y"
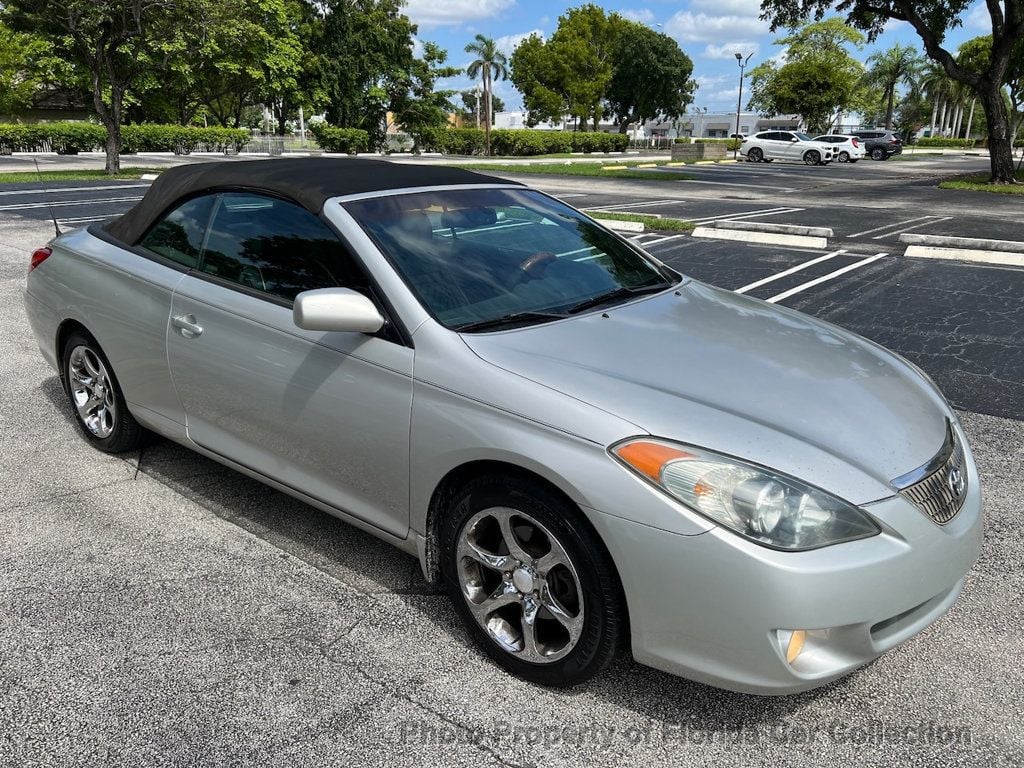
{"x": 767, "y": 507}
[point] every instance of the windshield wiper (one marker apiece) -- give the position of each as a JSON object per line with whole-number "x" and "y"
{"x": 506, "y": 321}
{"x": 615, "y": 294}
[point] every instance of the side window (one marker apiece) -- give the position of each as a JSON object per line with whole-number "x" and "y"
{"x": 276, "y": 247}
{"x": 178, "y": 236}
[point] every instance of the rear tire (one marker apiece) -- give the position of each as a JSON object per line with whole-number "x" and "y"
{"x": 755, "y": 155}
{"x": 515, "y": 555}
{"x": 96, "y": 398}
{"x": 844, "y": 157}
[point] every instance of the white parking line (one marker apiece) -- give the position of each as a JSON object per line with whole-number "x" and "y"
{"x": 890, "y": 226}
{"x": 664, "y": 239}
{"x": 66, "y": 203}
{"x": 744, "y": 215}
{"x": 915, "y": 226}
{"x": 648, "y": 204}
{"x": 825, "y": 278}
{"x": 572, "y": 194}
{"x": 734, "y": 184}
{"x": 790, "y": 271}
{"x": 70, "y": 189}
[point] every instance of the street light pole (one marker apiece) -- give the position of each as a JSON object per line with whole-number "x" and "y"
{"x": 739, "y": 101}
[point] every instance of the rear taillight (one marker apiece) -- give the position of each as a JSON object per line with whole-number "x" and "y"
{"x": 855, "y": 142}
{"x": 39, "y": 255}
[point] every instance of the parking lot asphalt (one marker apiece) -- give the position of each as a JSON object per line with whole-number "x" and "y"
{"x": 161, "y": 609}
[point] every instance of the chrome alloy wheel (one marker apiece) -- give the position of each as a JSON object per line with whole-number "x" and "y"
{"x": 520, "y": 585}
{"x": 91, "y": 391}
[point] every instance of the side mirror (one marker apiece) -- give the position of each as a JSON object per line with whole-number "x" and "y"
{"x": 793, "y": 139}
{"x": 336, "y": 309}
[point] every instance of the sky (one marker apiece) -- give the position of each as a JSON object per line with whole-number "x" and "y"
{"x": 709, "y": 31}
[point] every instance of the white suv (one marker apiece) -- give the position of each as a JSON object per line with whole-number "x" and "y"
{"x": 786, "y": 145}
{"x": 848, "y": 149}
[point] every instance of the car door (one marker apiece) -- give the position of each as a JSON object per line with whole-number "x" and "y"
{"x": 791, "y": 146}
{"x": 325, "y": 413}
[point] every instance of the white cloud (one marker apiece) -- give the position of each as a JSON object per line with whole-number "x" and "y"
{"x": 703, "y": 28}
{"x": 439, "y": 13}
{"x": 642, "y": 15}
{"x": 507, "y": 43}
{"x": 729, "y": 50}
{"x": 734, "y": 7}
{"x": 978, "y": 18}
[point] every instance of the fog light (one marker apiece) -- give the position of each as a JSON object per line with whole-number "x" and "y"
{"x": 795, "y": 644}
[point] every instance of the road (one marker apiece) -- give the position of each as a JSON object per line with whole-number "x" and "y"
{"x": 159, "y": 608}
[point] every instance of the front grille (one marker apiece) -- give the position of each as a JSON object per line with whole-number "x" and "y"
{"x": 939, "y": 488}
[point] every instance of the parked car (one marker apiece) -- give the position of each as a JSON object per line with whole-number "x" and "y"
{"x": 848, "y": 149}
{"x": 589, "y": 450}
{"x": 880, "y": 144}
{"x": 786, "y": 145}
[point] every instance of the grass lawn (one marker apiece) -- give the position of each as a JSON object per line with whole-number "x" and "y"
{"x": 980, "y": 184}
{"x": 599, "y": 170}
{"x": 652, "y": 222}
{"x": 22, "y": 177}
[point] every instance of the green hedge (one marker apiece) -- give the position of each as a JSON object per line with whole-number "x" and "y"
{"x": 520, "y": 142}
{"x": 730, "y": 144}
{"x": 69, "y": 138}
{"x": 332, "y": 139}
{"x": 940, "y": 141}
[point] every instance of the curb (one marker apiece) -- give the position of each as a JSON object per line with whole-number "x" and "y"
{"x": 621, "y": 226}
{"x": 979, "y": 250}
{"x": 766, "y": 234}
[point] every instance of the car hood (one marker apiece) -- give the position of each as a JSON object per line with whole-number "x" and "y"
{"x": 737, "y": 375}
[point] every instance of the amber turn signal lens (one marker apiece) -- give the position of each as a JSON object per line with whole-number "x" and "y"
{"x": 648, "y": 458}
{"x": 796, "y": 645}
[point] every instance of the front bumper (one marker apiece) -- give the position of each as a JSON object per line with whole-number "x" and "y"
{"x": 709, "y": 607}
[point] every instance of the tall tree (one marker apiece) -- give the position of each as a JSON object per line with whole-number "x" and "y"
{"x": 489, "y": 64}
{"x": 366, "y": 47}
{"x": 471, "y": 110}
{"x": 416, "y": 102}
{"x": 20, "y": 72}
{"x": 820, "y": 79}
{"x": 107, "y": 39}
{"x": 932, "y": 20}
{"x": 651, "y": 76}
{"x": 891, "y": 67}
{"x": 973, "y": 54}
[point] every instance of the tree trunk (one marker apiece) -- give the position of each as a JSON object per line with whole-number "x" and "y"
{"x": 942, "y": 118}
{"x": 959, "y": 120}
{"x": 970, "y": 120}
{"x": 935, "y": 113}
{"x": 487, "y": 109}
{"x": 999, "y": 144}
{"x": 889, "y": 107}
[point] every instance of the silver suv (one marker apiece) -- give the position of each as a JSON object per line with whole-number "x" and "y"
{"x": 786, "y": 145}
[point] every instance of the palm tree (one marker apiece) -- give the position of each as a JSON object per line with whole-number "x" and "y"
{"x": 899, "y": 64}
{"x": 490, "y": 64}
{"x": 936, "y": 84}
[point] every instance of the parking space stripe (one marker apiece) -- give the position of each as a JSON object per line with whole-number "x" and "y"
{"x": 825, "y": 278}
{"x": 915, "y": 226}
{"x": 645, "y": 204}
{"x": 790, "y": 271}
{"x": 890, "y": 226}
{"x": 664, "y": 239}
{"x": 744, "y": 215}
{"x": 734, "y": 184}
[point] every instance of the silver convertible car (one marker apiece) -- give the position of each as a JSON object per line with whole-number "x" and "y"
{"x": 591, "y": 451}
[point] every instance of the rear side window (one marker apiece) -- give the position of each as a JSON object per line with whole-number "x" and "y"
{"x": 275, "y": 247}
{"x": 179, "y": 235}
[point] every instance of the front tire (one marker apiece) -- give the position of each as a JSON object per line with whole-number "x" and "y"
{"x": 96, "y": 397}
{"x": 879, "y": 154}
{"x": 812, "y": 157}
{"x": 532, "y": 582}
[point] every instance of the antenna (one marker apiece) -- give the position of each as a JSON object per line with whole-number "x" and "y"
{"x": 46, "y": 193}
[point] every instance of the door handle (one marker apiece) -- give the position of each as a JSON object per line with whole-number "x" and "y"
{"x": 187, "y": 325}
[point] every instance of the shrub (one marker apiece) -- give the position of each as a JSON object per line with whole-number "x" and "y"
{"x": 730, "y": 144}
{"x": 332, "y": 139}
{"x": 70, "y": 138}
{"x": 941, "y": 141}
{"x": 520, "y": 141}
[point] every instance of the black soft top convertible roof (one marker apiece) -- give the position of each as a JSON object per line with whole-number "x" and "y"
{"x": 309, "y": 181}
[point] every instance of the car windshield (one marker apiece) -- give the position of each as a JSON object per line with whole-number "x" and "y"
{"x": 803, "y": 137}
{"x": 482, "y": 259}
